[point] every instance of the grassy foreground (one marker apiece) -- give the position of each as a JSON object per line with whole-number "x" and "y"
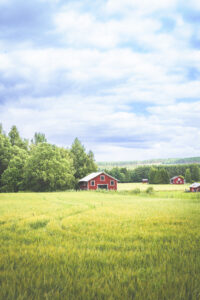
{"x": 100, "y": 245}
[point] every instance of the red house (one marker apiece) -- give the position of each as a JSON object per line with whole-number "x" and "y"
{"x": 177, "y": 180}
{"x": 195, "y": 187}
{"x": 145, "y": 181}
{"x": 98, "y": 180}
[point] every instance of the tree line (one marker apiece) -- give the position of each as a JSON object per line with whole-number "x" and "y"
{"x": 157, "y": 174}
{"x": 37, "y": 165}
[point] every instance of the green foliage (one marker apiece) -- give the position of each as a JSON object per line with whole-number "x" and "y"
{"x": 5, "y": 153}
{"x": 188, "y": 175}
{"x": 48, "y": 168}
{"x": 40, "y": 166}
{"x": 150, "y": 190}
{"x": 13, "y": 177}
{"x": 38, "y": 138}
{"x": 163, "y": 176}
{"x": 152, "y": 175}
{"x": 95, "y": 246}
{"x": 135, "y": 163}
{"x": 83, "y": 163}
{"x": 195, "y": 175}
{"x": 158, "y": 176}
{"x": 15, "y": 138}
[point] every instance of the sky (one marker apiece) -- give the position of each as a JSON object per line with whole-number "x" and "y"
{"x": 121, "y": 75}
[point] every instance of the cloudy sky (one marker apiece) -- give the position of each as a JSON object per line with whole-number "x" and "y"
{"x": 121, "y": 75}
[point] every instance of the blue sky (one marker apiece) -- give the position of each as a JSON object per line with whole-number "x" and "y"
{"x": 121, "y": 75}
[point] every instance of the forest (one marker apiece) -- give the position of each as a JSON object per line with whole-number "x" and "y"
{"x": 157, "y": 174}
{"x": 37, "y": 165}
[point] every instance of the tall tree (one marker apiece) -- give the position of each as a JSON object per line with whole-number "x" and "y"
{"x": 38, "y": 138}
{"x": 152, "y": 175}
{"x": 188, "y": 175}
{"x": 13, "y": 177}
{"x": 195, "y": 175}
{"x": 163, "y": 176}
{"x": 5, "y": 153}
{"x": 83, "y": 162}
{"x": 15, "y": 138}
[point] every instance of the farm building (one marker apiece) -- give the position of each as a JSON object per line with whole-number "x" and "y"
{"x": 177, "y": 180}
{"x": 145, "y": 181}
{"x": 195, "y": 187}
{"x": 98, "y": 180}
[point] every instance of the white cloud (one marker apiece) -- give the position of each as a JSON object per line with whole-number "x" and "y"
{"x": 145, "y": 6}
{"x": 115, "y": 82}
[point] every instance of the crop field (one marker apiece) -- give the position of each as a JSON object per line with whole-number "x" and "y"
{"x": 156, "y": 187}
{"x": 100, "y": 245}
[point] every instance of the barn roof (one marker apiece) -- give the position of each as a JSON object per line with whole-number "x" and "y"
{"x": 195, "y": 185}
{"x": 174, "y": 177}
{"x": 93, "y": 175}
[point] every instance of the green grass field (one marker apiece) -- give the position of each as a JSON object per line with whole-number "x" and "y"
{"x": 100, "y": 245}
{"x": 156, "y": 187}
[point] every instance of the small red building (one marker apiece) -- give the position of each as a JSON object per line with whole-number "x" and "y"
{"x": 177, "y": 180}
{"x": 98, "y": 180}
{"x": 195, "y": 187}
{"x": 145, "y": 181}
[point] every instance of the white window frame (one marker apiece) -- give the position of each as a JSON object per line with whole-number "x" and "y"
{"x": 101, "y": 177}
{"x": 112, "y": 183}
{"x": 92, "y": 183}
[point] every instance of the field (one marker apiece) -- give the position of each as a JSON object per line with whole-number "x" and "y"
{"x": 100, "y": 245}
{"x": 156, "y": 187}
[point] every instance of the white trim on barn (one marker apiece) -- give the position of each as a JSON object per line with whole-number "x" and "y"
{"x": 102, "y": 185}
{"x": 94, "y": 175}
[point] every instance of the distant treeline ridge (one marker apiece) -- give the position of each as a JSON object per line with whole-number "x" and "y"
{"x": 156, "y": 174}
{"x": 133, "y": 163}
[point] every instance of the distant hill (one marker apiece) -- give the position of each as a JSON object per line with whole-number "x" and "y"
{"x": 136, "y": 163}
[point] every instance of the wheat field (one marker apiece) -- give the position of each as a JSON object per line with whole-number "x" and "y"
{"x": 100, "y": 245}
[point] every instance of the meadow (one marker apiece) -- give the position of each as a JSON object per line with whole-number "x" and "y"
{"x": 100, "y": 245}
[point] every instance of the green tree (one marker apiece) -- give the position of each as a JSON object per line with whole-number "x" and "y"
{"x": 195, "y": 173}
{"x": 38, "y": 138}
{"x": 49, "y": 168}
{"x": 5, "y": 153}
{"x": 188, "y": 175}
{"x": 15, "y": 138}
{"x": 163, "y": 176}
{"x": 13, "y": 177}
{"x": 83, "y": 162}
{"x": 152, "y": 175}
{"x": 91, "y": 165}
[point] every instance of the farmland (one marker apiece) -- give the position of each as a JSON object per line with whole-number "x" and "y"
{"x": 101, "y": 245}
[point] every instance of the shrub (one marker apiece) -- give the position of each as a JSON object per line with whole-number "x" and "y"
{"x": 150, "y": 190}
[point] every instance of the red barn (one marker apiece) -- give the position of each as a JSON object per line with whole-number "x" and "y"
{"x": 177, "y": 180}
{"x": 195, "y": 187}
{"x": 98, "y": 180}
{"x": 145, "y": 181}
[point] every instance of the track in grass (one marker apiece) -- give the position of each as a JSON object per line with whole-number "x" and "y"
{"x": 95, "y": 245}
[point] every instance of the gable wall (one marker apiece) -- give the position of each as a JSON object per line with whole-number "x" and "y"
{"x": 98, "y": 180}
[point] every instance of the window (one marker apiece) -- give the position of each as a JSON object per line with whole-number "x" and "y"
{"x": 112, "y": 182}
{"x": 102, "y": 177}
{"x": 92, "y": 183}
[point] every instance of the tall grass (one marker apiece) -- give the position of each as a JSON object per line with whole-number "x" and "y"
{"x": 88, "y": 245}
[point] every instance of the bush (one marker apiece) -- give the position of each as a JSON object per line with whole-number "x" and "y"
{"x": 150, "y": 190}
